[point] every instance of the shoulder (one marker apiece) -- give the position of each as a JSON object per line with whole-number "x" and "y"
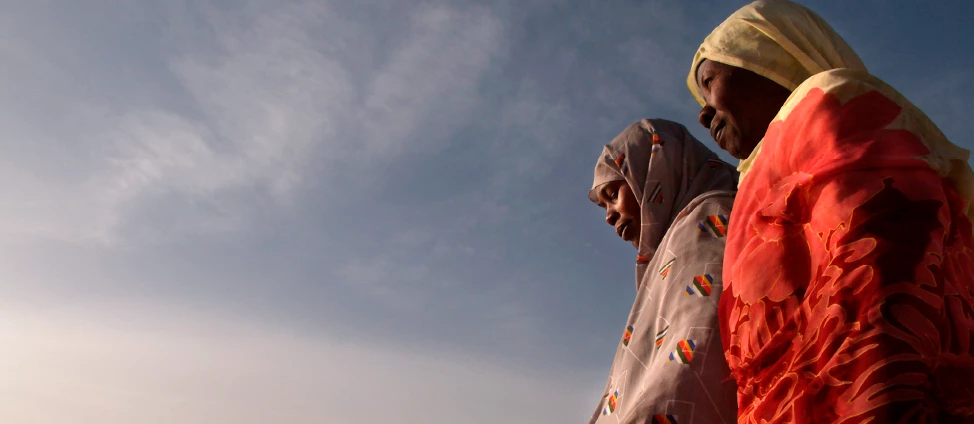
{"x": 841, "y": 81}
{"x": 697, "y": 238}
{"x": 711, "y": 202}
{"x": 844, "y": 85}
{"x": 845, "y": 118}
{"x": 703, "y": 221}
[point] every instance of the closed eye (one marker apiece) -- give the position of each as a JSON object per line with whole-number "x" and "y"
{"x": 606, "y": 194}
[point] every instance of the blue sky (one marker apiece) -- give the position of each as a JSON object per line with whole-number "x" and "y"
{"x": 320, "y": 212}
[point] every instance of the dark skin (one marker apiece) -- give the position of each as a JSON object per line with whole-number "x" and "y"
{"x": 621, "y": 209}
{"x": 739, "y": 105}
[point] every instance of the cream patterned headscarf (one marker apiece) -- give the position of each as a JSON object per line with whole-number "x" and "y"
{"x": 777, "y": 39}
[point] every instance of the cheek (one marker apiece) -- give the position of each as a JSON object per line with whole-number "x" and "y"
{"x": 727, "y": 99}
{"x": 631, "y": 206}
{"x": 723, "y": 104}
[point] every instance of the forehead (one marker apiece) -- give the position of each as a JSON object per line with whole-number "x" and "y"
{"x": 714, "y": 67}
{"x": 605, "y": 190}
{"x": 613, "y": 185}
{"x": 706, "y": 66}
{"x": 699, "y": 75}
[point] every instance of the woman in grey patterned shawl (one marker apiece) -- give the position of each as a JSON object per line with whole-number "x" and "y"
{"x": 670, "y": 196}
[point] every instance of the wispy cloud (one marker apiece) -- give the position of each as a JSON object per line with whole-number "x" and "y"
{"x": 430, "y": 81}
{"x": 267, "y": 101}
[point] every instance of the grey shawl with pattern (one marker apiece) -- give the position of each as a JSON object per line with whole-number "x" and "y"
{"x": 669, "y": 366}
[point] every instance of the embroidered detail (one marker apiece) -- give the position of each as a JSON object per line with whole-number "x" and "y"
{"x": 611, "y": 403}
{"x": 715, "y": 224}
{"x": 665, "y": 270}
{"x": 664, "y": 419}
{"x": 657, "y": 196}
{"x": 702, "y": 285}
{"x": 660, "y": 336}
{"x": 683, "y": 352}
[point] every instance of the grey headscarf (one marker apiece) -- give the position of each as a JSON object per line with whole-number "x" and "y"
{"x": 666, "y": 168}
{"x": 669, "y": 365}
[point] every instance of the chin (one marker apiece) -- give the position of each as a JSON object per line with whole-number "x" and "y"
{"x": 729, "y": 147}
{"x": 736, "y": 151}
{"x": 743, "y": 150}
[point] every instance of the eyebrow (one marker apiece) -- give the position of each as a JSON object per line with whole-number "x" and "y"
{"x": 699, "y": 75}
{"x": 604, "y": 191}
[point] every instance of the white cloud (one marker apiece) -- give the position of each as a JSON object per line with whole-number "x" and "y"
{"x": 431, "y": 79}
{"x": 149, "y": 364}
{"x": 272, "y": 96}
{"x": 270, "y": 90}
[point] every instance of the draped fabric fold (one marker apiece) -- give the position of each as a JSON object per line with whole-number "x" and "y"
{"x": 849, "y": 272}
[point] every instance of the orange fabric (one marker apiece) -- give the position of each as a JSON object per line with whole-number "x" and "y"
{"x": 788, "y": 43}
{"x": 848, "y": 271}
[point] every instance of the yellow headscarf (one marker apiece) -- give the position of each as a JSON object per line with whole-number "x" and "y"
{"x": 788, "y": 43}
{"x": 777, "y": 39}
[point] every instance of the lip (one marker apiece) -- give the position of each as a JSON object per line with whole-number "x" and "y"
{"x": 621, "y": 230}
{"x": 716, "y": 131}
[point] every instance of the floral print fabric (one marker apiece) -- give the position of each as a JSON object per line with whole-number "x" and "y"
{"x": 848, "y": 268}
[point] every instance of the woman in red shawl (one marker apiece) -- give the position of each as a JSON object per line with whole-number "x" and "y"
{"x": 848, "y": 268}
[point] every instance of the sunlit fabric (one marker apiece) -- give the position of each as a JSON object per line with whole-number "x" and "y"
{"x": 669, "y": 364}
{"x": 788, "y": 43}
{"x": 849, "y": 262}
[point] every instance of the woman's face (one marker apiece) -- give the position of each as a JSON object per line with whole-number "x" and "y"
{"x": 739, "y": 105}
{"x": 621, "y": 209}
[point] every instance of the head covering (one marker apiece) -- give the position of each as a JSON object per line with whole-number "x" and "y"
{"x": 777, "y": 39}
{"x": 666, "y": 168}
{"x": 788, "y": 43}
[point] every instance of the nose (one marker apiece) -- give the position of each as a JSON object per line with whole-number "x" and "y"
{"x": 611, "y": 216}
{"x": 706, "y": 116}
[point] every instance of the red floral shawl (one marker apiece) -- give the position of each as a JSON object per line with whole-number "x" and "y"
{"x": 849, "y": 267}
